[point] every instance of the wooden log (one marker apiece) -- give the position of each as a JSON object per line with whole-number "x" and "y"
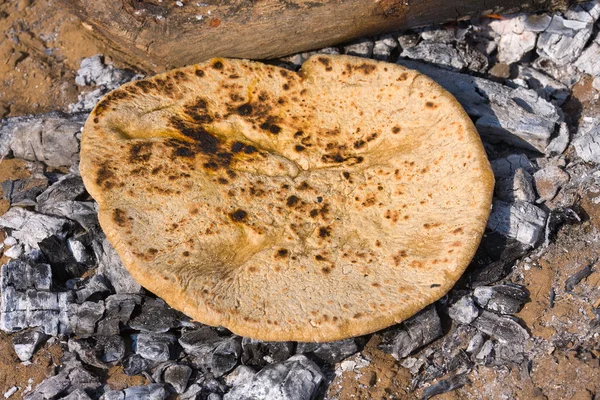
{"x": 155, "y": 35}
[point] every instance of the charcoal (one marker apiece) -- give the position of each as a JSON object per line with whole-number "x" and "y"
{"x": 587, "y": 142}
{"x": 153, "y": 391}
{"x": 519, "y": 220}
{"x": 23, "y": 275}
{"x": 361, "y": 48}
{"x": 64, "y": 265}
{"x": 225, "y": 356}
{"x": 456, "y": 56}
{"x": 110, "y": 265}
{"x": 518, "y": 117}
{"x": 464, "y": 311}
{"x": 559, "y": 144}
{"x": 577, "y": 277}
{"x": 258, "y": 354}
{"x": 214, "y": 396}
{"x": 119, "y": 308}
{"x": 557, "y": 218}
{"x": 154, "y": 346}
{"x": 26, "y": 343}
{"x": 504, "y": 299}
{"x": 23, "y": 192}
{"x": 548, "y": 181}
{"x": 585, "y": 12}
{"x": 94, "y": 288}
{"x": 475, "y": 343}
{"x": 519, "y": 186}
{"x": 486, "y": 354}
{"x": 135, "y": 364}
{"x": 504, "y": 329}
{"x": 83, "y": 212}
{"x": 72, "y": 377}
{"x": 331, "y": 352}
{"x": 48, "y": 138}
{"x": 408, "y": 40}
{"x": 67, "y": 188}
{"x": 77, "y": 394}
{"x": 14, "y": 252}
{"x": 204, "y": 387}
{"x": 111, "y": 349}
{"x": 506, "y": 167}
{"x": 414, "y": 333}
{"x": 177, "y": 376}
{"x": 200, "y": 341}
{"x": 86, "y": 352}
{"x": 382, "y": 50}
{"x": 507, "y": 353}
{"x": 84, "y": 316}
{"x": 537, "y": 22}
{"x": 445, "y": 386}
{"x": 515, "y": 41}
{"x": 459, "y": 364}
{"x": 588, "y": 61}
{"x": 157, "y": 316}
{"x": 51, "y": 387}
{"x": 79, "y": 251}
{"x": 297, "y": 378}
{"x": 568, "y": 74}
{"x": 544, "y": 85}
{"x": 564, "y": 39}
{"x": 241, "y": 375}
{"x": 30, "y": 228}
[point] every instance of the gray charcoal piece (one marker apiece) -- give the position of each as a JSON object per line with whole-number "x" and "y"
{"x": 331, "y": 352}
{"x": 119, "y": 308}
{"x": 153, "y": 391}
{"x": 502, "y": 328}
{"x": 83, "y": 212}
{"x": 512, "y": 47}
{"x": 178, "y": 376}
{"x": 13, "y": 321}
{"x": 408, "y": 40}
{"x": 504, "y": 299}
{"x": 77, "y": 394}
{"x": 519, "y": 220}
{"x": 93, "y": 71}
{"x": 297, "y": 378}
{"x": 445, "y": 386}
{"x": 559, "y": 144}
{"x": 485, "y": 355}
{"x": 362, "y": 48}
{"x": 475, "y": 343}
{"x": 537, "y": 22}
{"x": 96, "y": 287}
{"x": 436, "y": 53}
{"x": 568, "y": 74}
{"x": 30, "y": 228}
{"x": 506, "y": 167}
{"x": 544, "y": 85}
{"x": 415, "y": 332}
{"x": 26, "y": 343}
{"x": 563, "y": 40}
{"x": 49, "y": 138}
{"x": 84, "y": 316}
{"x": 22, "y": 275}
{"x": 518, "y": 117}
{"x": 86, "y": 352}
{"x": 225, "y": 356}
{"x": 154, "y": 346}
{"x": 79, "y": 251}
{"x": 111, "y": 349}
{"x": 577, "y": 277}
{"x": 440, "y": 35}
{"x": 240, "y": 376}
{"x": 157, "y": 316}
{"x": 47, "y": 320}
{"x": 548, "y": 182}
{"x": 383, "y": 47}
{"x": 464, "y": 311}
{"x": 258, "y": 353}
{"x": 110, "y": 265}
{"x": 51, "y": 387}
{"x": 135, "y": 364}
{"x": 67, "y": 188}
{"x": 587, "y": 142}
{"x": 519, "y": 186}
{"x": 83, "y": 379}
{"x": 508, "y": 353}
{"x": 23, "y": 192}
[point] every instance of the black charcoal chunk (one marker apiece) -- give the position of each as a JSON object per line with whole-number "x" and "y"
{"x": 26, "y": 343}
{"x": 413, "y": 334}
{"x": 68, "y": 188}
{"x": 504, "y": 299}
{"x": 110, "y": 265}
{"x": 119, "y": 308}
{"x": 519, "y": 220}
{"x": 77, "y": 394}
{"x": 86, "y": 352}
{"x": 577, "y": 277}
{"x": 504, "y": 329}
{"x": 154, "y": 346}
{"x": 445, "y": 386}
{"x": 331, "y": 352}
{"x": 110, "y": 349}
{"x": 157, "y": 316}
{"x": 64, "y": 265}
{"x": 153, "y": 391}
{"x": 23, "y": 192}
{"x": 177, "y": 376}
{"x": 93, "y": 288}
{"x": 83, "y": 317}
{"x": 225, "y": 356}
{"x": 258, "y": 354}
{"x": 464, "y": 311}
{"x": 135, "y": 364}
{"x": 298, "y": 378}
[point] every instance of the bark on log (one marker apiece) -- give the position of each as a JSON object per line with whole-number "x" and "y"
{"x": 155, "y": 35}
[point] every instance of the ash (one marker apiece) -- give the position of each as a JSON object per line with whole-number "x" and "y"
{"x": 514, "y": 76}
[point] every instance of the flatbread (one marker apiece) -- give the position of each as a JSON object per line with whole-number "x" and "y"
{"x": 309, "y": 206}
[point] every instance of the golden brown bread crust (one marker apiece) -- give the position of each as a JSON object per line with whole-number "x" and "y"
{"x": 308, "y": 207}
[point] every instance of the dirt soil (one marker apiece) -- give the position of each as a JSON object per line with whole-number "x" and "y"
{"x": 40, "y": 51}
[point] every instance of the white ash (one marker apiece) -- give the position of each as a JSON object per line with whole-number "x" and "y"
{"x": 514, "y": 40}
{"x": 10, "y": 392}
{"x": 589, "y": 62}
{"x": 458, "y": 56}
{"x": 383, "y": 47}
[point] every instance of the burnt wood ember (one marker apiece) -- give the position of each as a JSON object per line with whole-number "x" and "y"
{"x": 504, "y": 299}
{"x": 259, "y": 354}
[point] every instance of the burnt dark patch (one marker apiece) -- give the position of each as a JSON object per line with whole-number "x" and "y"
{"x": 184, "y": 152}
{"x": 430, "y": 104}
{"x": 238, "y": 215}
{"x": 299, "y": 148}
{"x": 96, "y": 120}
{"x": 339, "y": 158}
{"x": 326, "y": 270}
{"x": 250, "y": 150}
{"x": 286, "y": 86}
{"x": 298, "y": 134}
{"x": 244, "y": 110}
{"x": 284, "y": 73}
{"x": 314, "y": 212}
{"x": 223, "y": 181}
{"x": 218, "y": 65}
{"x": 319, "y": 257}
{"x": 206, "y": 143}
{"x": 281, "y": 253}
{"x": 120, "y": 217}
{"x": 403, "y": 76}
{"x": 359, "y": 144}
{"x": 104, "y": 176}
{"x": 366, "y": 68}
{"x": 275, "y": 129}
{"x": 304, "y": 186}
{"x": 146, "y": 86}
{"x": 198, "y": 111}
{"x": 292, "y": 201}
{"x": 346, "y": 174}
{"x": 185, "y": 254}
{"x": 140, "y": 152}
{"x": 396, "y": 129}
{"x": 199, "y": 73}
{"x": 234, "y": 76}
{"x": 180, "y": 76}
{"x": 156, "y": 170}
{"x": 434, "y": 285}
{"x": 325, "y": 61}
{"x": 236, "y": 147}
{"x": 324, "y": 232}
{"x": 152, "y": 251}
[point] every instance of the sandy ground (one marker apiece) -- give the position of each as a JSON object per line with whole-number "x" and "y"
{"x": 39, "y": 54}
